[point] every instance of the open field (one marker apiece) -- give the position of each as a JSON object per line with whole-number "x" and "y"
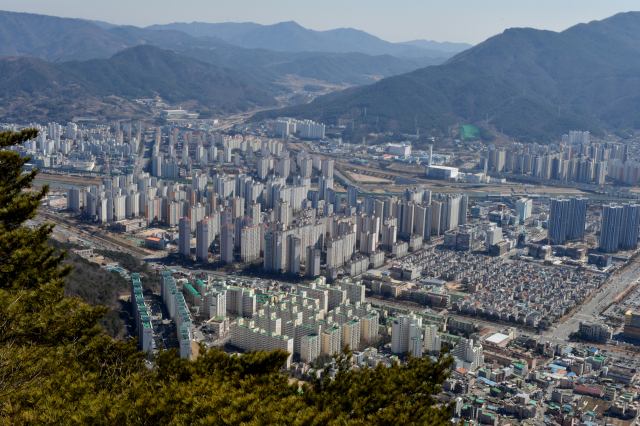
{"x": 588, "y": 403}
{"x": 367, "y": 179}
{"x": 148, "y": 232}
{"x": 52, "y": 179}
{"x": 295, "y": 82}
{"x": 109, "y": 239}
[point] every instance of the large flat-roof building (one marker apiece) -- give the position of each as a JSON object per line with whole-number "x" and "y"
{"x": 442, "y": 172}
{"x": 174, "y": 112}
{"x": 595, "y": 332}
{"x": 498, "y": 339}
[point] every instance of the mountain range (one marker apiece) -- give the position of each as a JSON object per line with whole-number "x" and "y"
{"x": 69, "y": 41}
{"x": 64, "y": 39}
{"x": 292, "y": 37}
{"x": 531, "y": 84}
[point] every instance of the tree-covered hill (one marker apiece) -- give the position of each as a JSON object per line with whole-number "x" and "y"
{"x": 95, "y": 285}
{"x": 139, "y": 72}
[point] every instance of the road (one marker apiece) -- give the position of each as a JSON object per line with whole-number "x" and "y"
{"x": 347, "y": 181}
{"x": 608, "y": 192}
{"x": 590, "y": 312}
{"x": 159, "y": 260}
{"x": 144, "y": 154}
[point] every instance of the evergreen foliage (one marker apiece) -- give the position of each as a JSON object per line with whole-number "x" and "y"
{"x": 96, "y": 286}
{"x": 58, "y": 367}
{"x": 148, "y": 277}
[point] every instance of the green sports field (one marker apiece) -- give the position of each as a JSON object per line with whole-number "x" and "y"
{"x": 469, "y": 132}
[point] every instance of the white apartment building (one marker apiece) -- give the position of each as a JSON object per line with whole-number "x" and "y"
{"x": 403, "y": 329}
{"x": 250, "y": 243}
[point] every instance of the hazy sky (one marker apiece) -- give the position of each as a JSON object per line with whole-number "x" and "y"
{"x": 470, "y": 21}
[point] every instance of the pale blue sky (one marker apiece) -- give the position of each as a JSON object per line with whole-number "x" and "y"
{"x": 470, "y": 21}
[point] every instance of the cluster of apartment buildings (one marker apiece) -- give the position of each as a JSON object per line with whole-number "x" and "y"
{"x": 313, "y": 319}
{"x": 575, "y": 159}
{"x": 308, "y": 129}
{"x": 88, "y": 149}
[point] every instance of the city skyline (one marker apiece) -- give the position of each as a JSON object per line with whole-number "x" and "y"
{"x": 429, "y": 20}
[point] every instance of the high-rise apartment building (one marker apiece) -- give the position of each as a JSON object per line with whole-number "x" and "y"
{"x": 471, "y": 354}
{"x": 250, "y": 243}
{"x": 352, "y": 196}
{"x": 437, "y": 209}
{"x": 310, "y": 348}
{"x": 294, "y": 255}
{"x": 263, "y": 168}
{"x": 403, "y": 329}
{"x": 184, "y": 241}
{"x": 312, "y": 263}
{"x": 351, "y": 333}
{"x": 306, "y": 167}
{"x": 73, "y": 199}
{"x": 196, "y": 214}
{"x": 494, "y": 236}
{"x": 630, "y": 225}
{"x": 202, "y": 240}
{"x": 431, "y": 343}
{"x": 463, "y": 208}
{"x": 619, "y": 227}
{"x": 327, "y": 168}
{"x": 567, "y": 218}
{"x": 324, "y": 183}
{"x": 422, "y": 225}
{"x": 119, "y": 207}
{"x": 156, "y": 165}
{"x": 452, "y": 217}
{"x": 275, "y": 255}
{"x": 226, "y": 244}
{"x": 578, "y": 214}
{"x": 355, "y": 291}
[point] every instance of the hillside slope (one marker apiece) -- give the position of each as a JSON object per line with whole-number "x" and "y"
{"x": 30, "y": 86}
{"x": 95, "y": 285}
{"x": 55, "y": 39}
{"x": 532, "y": 84}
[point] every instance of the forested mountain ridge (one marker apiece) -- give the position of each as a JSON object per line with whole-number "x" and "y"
{"x": 532, "y": 84}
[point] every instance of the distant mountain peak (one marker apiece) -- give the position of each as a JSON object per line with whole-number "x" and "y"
{"x": 289, "y": 36}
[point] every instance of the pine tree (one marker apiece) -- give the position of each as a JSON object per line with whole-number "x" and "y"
{"x": 43, "y": 335}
